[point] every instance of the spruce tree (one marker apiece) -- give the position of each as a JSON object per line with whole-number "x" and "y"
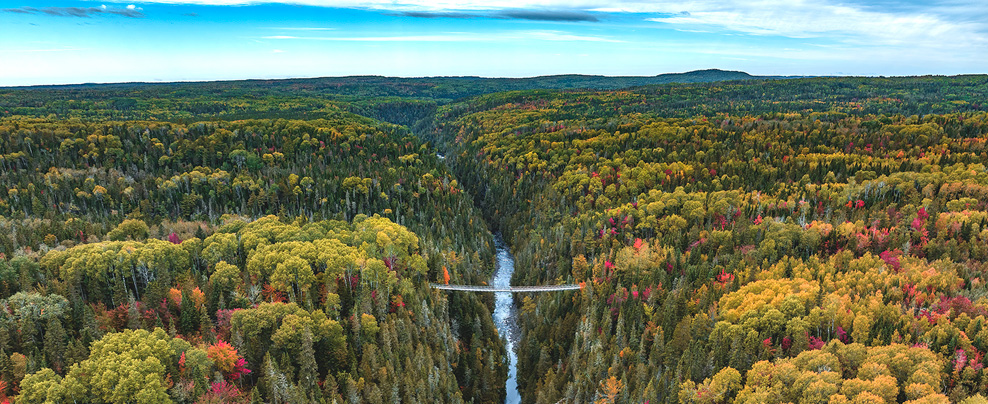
{"x": 267, "y": 384}
{"x": 6, "y": 369}
{"x": 188, "y": 317}
{"x": 28, "y": 331}
{"x": 54, "y": 344}
{"x": 206, "y": 327}
{"x": 308, "y": 373}
{"x": 133, "y": 316}
{"x": 75, "y": 352}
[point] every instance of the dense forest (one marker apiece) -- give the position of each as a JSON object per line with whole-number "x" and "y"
{"x": 259, "y": 260}
{"x": 819, "y": 240}
{"x": 756, "y": 241}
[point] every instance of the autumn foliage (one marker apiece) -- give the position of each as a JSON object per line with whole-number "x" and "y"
{"x": 810, "y": 240}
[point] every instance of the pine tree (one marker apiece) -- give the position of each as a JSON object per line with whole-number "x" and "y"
{"x": 255, "y": 396}
{"x": 28, "y": 331}
{"x": 75, "y": 353}
{"x": 91, "y": 330}
{"x": 268, "y": 382}
{"x": 330, "y": 389}
{"x": 189, "y": 316}
{"x": 120, "y": 294}
{"x": 6, "y": 369}
{"x": 287, "y": 366}
{"x": 308, "y": 373}
{"x": 55, "y": 344}
{"x": 4, "y": 337}
{"x": 133, "y": 316}
{"x": 206, "y": 327}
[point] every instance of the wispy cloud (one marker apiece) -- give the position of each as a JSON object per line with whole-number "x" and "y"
{"x": 519, "y": 14}
{"x": 130, "y": 11}
{"x": 429, "y": 14}
{"x": 549, "y": 15}
{"x": 963, "y": 23}
{"x": 542, "y": 35}
{"x": 22, "y": 10}
{"x": 843, "y": 22}
{"x": 451, "y": 37}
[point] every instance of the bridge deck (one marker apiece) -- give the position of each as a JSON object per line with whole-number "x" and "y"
{"x": 513, "y": 289}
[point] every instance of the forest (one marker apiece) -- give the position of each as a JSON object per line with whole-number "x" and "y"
{"x": 817, "y": 240}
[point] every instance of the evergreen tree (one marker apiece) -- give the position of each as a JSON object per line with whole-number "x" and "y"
{"x": 188, "y": 322}
{"x": 75, "y": 352}
{"x": 133, "y": 316}
{"x": 28, "y": 334}
{"x": 54, "y": 347}
{"x": 308, "y": 373}
{"x": 6, "y": 371}
{"x": 206, "y": 327}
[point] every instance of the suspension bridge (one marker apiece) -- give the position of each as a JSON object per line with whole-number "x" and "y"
{"x": 513, "y": 289}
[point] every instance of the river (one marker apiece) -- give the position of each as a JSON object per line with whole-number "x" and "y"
{"x": 506, "y": 316}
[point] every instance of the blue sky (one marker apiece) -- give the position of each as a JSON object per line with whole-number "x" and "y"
{"x": 57, "y": 42}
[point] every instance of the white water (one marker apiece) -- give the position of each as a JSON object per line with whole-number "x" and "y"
{"x": 505, "y": 316}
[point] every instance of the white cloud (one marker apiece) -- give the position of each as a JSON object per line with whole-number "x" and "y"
{"x": 939, "y": 22}
{"x": 806, "y": 19}
{"x": 407, "y": 4}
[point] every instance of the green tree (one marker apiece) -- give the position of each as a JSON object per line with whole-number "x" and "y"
{"x": 129, "y": 229}
{"x": 54, "y": 346}
{"x": 124, "y": 367}
{"x": 294, "y": 274}
{"x": 41, "y": 387}
{"x": 308, "y": 374}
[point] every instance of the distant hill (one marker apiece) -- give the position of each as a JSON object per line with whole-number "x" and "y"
{"x": 614, "y": 82}
{"x": 440, "y": 89}
{"x": 398, "y": 100}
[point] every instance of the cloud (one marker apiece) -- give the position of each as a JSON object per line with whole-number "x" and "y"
{"x": 845, "y": 22}
{"x": 22, "y": 10}
{"x": 520, "y": 14}
{"x": 132, "y": 13}
{"x": 452, "y": 37}
{"x": 427, "y": 14}
{"x": 548, "y": 15}
{"x": 71, "y": 11}
{"x": 541, "y": 35}
{"x": 82, "y": 12}
{"x": 959, "y": 23}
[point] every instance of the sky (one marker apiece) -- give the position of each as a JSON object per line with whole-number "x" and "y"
{"x": 73, "y": 41}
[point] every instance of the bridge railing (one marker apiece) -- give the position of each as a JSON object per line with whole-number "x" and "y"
{"x": 513, "y": 289}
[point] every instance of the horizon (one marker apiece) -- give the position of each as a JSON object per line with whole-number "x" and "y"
{"x": 71, "y": 42}
{"x": 753, "y": 77}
